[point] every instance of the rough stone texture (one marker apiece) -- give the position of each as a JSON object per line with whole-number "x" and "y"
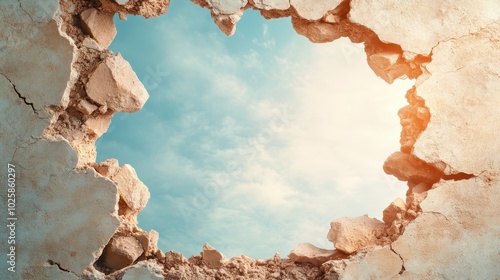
{"x": 460, "y": 227}
{"x": 58, "y": 96}
{"x": 99, "y": 25}
{"x": 377, "y": 264}
{"x": 309, "y": 11}
{"x": 419, "y": 26}
{"x": 115, "y": 85}
{"x": 463, "y": 137}
{"x": 308, "y": 253}
{"x": 353, "y": 234}
{"x": 211, "y": 257}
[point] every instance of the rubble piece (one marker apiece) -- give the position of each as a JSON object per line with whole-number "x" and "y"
{"x": 391, "y": 213}
{"x": 353, "y": 234}
{"x": 317, "y": 32}
{"x": 380, "y": 263}
{"x": 174, "y": 259}
{"x": 388, "y": 65}
{"x": 148, "y": 241}
{"x": 115, "y": 85}
{"x": 211, "y": 257}
{"x": 99, "y": 25}
{"x": 121, "y": 252}
{"x": 86, "y": 107}
{"x": 227, "y": 23}
{"x": 308, "y": 253}
{"x": 133, "y": 192}
{"x": 98, "y": 125}
{"x": 407, "y": 167}
{"x": 107, "y": 168}
{"x": 145, "y": 270}
{"x": 312, "y": 12}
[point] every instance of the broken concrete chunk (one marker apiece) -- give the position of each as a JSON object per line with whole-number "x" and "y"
{"x": 86, "y": 107}
{"x": 314, "y": 10}
{"x": 173, "y": 259}
{"x": 386, "y": 66}
{"x": 115, "y": 85}
{"x": 397, "y": 207}
{"x": 317, "y": 32}
{"x": 107, "y": 168}
{"x": 308, "y": 253}
{"x": 148, "y": 241}
{"x": 121, "y": 252}
{"x": 133, "y": 192}
{"x": 98, "y": 125}
{"x": 145, "y": 270}
{"x": 99, "y": 25}
{"x": 91, "y": 44}
{"x": 227, "y": 7}
{"x": 211, "y": 257}
{"x": 353, "y": 234}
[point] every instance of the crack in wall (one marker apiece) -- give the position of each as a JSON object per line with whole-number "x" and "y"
{"x": 30, "y": 104}
{"x": 51, "y": 262}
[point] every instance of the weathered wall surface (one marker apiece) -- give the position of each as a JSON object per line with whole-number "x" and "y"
{"x": 60, "y": 87}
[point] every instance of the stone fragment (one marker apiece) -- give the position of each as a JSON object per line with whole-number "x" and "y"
{"x": 115, "y": 85}
{"x": 148, "y": 241}
{"x": 121, "y": 252}
{"x": 317, "y": 32}
{"x": 353, "y": 234}
{"x": 308, "y": 253}
{"x": 377, "y": 264}
{"x": 409, "y": 168}
{"x": 133, "y": 192}
{"x": 211, "y": 257}
{"x": 174, "y": 259}
{"x": 314, "y": 10}
{"x": 98, "y": 125}
{"x": 227, "y": 23}
{"x": 107, "y": 168}
{"x": 86, "y": 107}
{"x": 391, "y": 213}
{"x": 145, "y": 270}
{"x": 271, "y": 4}
{"x": 99, "y": 25}
{"x": 388, "y": 66}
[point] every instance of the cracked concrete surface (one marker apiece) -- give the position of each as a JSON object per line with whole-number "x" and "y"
{"x": 82, "y": 222}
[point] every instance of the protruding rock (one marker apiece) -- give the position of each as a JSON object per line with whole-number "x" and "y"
{"x": 133, "y": 192}
{"x": 98, "y": 125}
{"x": 174, "y": 259}
{"x": 107, "y": 168}
{"x": 99, "y": 25}
{"x": 317, "y": 32}
{"x": 409, "y": 168}
{"x": 314, "y": 10}
{"x": 353, "y": 234}
{"x": 308, "y": 253}
{"x": 388, "y": 66}
{"x": 121, "y": 252}
{"x": 391, "y": 213}
{"x": 115, "y": 84}
{"x": 227, "y": 23}
{"x": 211, "y": 257}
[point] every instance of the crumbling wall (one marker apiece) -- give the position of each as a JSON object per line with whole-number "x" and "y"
{"x": 77, "y": 218}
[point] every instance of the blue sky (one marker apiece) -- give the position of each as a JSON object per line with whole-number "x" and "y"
{"x": 255, "y": 142}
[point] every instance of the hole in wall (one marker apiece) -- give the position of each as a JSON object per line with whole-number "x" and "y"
{"x": 252, "y": 143}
